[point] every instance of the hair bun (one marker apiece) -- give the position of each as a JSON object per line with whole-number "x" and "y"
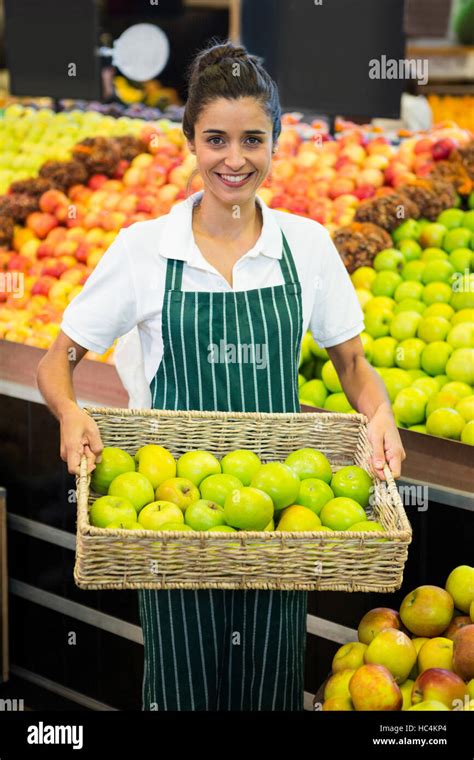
{"x": 219, "y": 53}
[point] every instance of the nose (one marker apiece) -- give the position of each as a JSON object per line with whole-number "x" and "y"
{"x": 235, "y": 160}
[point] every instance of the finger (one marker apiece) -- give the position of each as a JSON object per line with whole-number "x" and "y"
{"x": 95, "y": 444}
{"x": 395, "y": 464}
{"x": 90, "y": 456}
{"x": 74, "y": 461}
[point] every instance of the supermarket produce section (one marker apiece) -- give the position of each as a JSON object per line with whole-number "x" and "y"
{"x": 70, "y": 181}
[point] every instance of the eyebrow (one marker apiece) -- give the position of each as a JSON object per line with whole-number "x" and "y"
{"x": 246, "y": 131}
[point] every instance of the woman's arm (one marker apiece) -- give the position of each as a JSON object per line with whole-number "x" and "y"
{"x": 79, "y": 432}
{"x": 366, "y": 392}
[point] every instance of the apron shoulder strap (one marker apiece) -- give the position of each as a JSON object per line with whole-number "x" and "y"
{"x": 174, "y": 274}
{"x": 287, "y": 263}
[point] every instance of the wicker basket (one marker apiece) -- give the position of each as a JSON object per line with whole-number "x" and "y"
{"x": 336, "y": 561}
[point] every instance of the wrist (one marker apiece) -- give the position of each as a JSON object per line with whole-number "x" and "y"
{"x": 65, "y": 407}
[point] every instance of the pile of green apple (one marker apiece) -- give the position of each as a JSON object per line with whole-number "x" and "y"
{"x": 418, "y": 303}
{"x": 154, "y": 491}
{"x": 420, "y": 658}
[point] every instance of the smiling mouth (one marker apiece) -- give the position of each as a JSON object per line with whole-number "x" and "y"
{"x": 234, "y": 180}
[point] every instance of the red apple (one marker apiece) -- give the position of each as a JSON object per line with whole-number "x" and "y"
{"x": 442, "y": 149}
{"x": 439, "y": 684}
{"x": 41, "y": 224}
{"x": 43, "y": 285}
{"x": 96, "y": 181}
{"x": 463, "y": 652}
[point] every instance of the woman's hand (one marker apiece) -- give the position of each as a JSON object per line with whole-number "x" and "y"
{"x": 79, "y": 435}
{"x": 386, "y": 442}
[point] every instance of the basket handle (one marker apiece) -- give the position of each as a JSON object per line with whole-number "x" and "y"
{"x": 83, "y": 474}
{"x": 390, "y": 480}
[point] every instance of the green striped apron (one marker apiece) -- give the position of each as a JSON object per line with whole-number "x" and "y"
{"x": 226, "y": 649}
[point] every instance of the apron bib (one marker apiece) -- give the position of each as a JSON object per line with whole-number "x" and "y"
{"x": 226, "y": 649}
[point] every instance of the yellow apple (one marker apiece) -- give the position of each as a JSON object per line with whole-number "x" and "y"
{"x": 439, "y": 684}
{"x": 338, "y": 703}
{"x": 338, "y": 684}
{"x": 460, "y": 584}
{"x": 429, "y": 705}
{"x": 350, "y": 656}
{"x": 427, "y": 611}
{"x": 393, "y": 649}
{"x": 417, "y": 643}
{"x": 406, "y": 689}
{"x": 436, "y": 653}
{"x": 156, "y": 463}
{"x": 377, "y": 620}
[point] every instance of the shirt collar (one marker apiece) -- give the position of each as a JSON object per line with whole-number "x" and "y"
{"x": 177, "y": 239}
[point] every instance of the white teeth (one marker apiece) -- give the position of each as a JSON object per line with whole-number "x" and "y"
{"x": 233, "y": 178}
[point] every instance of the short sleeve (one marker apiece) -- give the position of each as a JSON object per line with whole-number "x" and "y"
{"x": 106, "y": 308}
{"x": 337, "y": 315}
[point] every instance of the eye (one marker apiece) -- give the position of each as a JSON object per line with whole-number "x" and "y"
{"x": 214, "y": 138}
{"x": 257, "y": 140}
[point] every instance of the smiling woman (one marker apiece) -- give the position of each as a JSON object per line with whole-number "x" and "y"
{"x": 220, "y": 290}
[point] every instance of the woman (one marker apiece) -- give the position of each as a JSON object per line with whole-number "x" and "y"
{"x": 221, "y": 270}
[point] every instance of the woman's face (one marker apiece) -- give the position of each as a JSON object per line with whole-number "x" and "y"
{"x": 233, "y": 146}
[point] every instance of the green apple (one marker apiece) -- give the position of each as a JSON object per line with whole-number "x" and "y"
{"x": 204, "y": 514}
{"x": 415, "y": 374}
{"x": 461, "y": 390}
{"x": 410, "y": 304}
{"x": 221, "y": 529}
{"x": 133, "y": 486}
{"x": 385, "y": 283}
{"x": 407, "y": 230}
{"x": 460, "y": 258}
{"x": 441, "y": 400}
{"x": 217, "y": 487}
{"x": 249, "y": 508}
{"x": 242, "y": 464}
{"x": 433, "y": 235}
{"x": 197, "y": 465}
{"x": 341, "y": 512}
{"x": 437, "y": 271}
{"x": 439, "y": 310}
{"x": 383, "y": 351}
{"x": 279, "y": 481}
{"x": 113, "y": 462}
{"x": 434, "y": 357}
{"x": 155, "y": 463}
{"x": 404, "y": 325}
{"x": 396, "y": 379}
{"x": 368, "y": 526}
{"x": 108, "y": 508}
{"x": 309, "y": 463}
{"x": 121, "y": 524}
{"x": 314, "y": 391}
{"x": 408, "y": 354}
{"x": 437, "y": 292}
{"x": 314, "y": 493}
{"x": 413, "y": 270}
{"x": 301, "y": 380}
{"x": 460, "y": 365}
{"x": 451, "y": 218}
{"x": 465, "y": 407}
{"x": 418, "y": 428}
{"x": 428, "y": 385}
{"x": 457, "y": 238}
{"x": 179, "y": 491}
{"x": 445, "y": 423}
{"x": 156, "y": 514}
{"x": 331, "y": 378}
{"x": 468, "y": 222}
{"x": 467, "y": 434}
{"x": 433, "y": 254}
{"x": 462, "y": 335}
{"x": 411, "y": 249}
{"x": 363, "y": 277}
{"x": 462, "y": 292}
{"x": 367, "y": 344}
{"x": 389, "y": 259}
{"x": 338, "y": 402}
{"x": 377, "y": 323}
{"x": 408, "y": 289}
{"x": 271, "y": 525}
{"x": 297, "y": 518}
{"x": 175, "y": 526}
{"x": 433, "y": 328}
{"x": 379, "y": 303}
{"x": 363, "y": 296}
{"x": 353, "y": 482}
{"x": 409, "y": 406}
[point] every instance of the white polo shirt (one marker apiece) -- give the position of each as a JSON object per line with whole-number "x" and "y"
{"x": 125, "y": 291}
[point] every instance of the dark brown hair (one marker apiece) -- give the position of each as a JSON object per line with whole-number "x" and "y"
{"x": 213, "y": 74}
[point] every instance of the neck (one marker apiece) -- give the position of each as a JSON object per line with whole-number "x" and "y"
{"x": 216, "y": 219}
